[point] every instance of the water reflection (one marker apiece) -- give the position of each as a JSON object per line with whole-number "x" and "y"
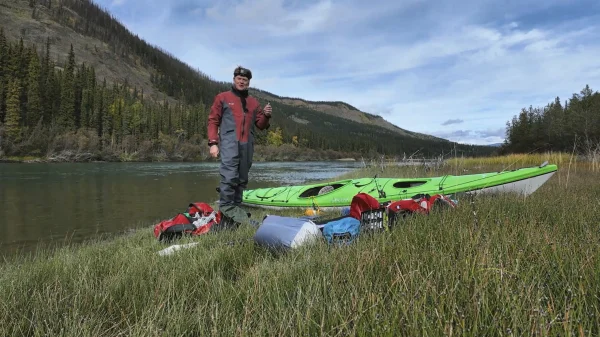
{"x": 45, "y": 203}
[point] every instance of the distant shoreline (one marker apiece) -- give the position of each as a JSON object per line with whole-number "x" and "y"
{"x": 42, "y": 160}
{"x": 196, "y": 154}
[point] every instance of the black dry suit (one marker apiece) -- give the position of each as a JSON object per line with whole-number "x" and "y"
{"x": 236, "y": 114}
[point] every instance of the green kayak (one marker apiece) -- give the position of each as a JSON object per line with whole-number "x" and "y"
{"x": 338, "y": 194}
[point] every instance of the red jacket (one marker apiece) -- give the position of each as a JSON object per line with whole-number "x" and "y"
{"x": 227, "y": 114}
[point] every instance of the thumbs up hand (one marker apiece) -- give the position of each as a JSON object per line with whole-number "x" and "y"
{"x": 267, "y": 110}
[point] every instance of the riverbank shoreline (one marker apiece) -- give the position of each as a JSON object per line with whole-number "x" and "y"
{"x": 183, "y": 153}
{"x": 42, "y": 160}
{"x": 90, "y": 159}
{"x": 497, "y": 250}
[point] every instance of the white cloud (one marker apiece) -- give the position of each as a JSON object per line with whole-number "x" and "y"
{"x": 272, "y": 16}
{"x": 417, "y": 63}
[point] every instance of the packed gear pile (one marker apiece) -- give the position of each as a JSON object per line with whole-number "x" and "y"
{"x": 365, "y": 214}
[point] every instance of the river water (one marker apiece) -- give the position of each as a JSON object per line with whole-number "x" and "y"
{"x": 46, "y": 204}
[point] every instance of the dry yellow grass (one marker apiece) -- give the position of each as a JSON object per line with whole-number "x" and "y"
{"x": 562, "y": 159}
{"x": 558, "y": 158}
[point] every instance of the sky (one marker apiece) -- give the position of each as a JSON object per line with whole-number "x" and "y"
{"x": 459, "y": 70}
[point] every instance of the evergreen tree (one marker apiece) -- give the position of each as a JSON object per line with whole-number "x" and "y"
{"x": 77, "y": 93}
{"x": 107, "y": 120}
{"x": 34, "y": 104}
{"x": 67, "y": 98}
{"x": 16, "y": 56}
{"x": 21, "y": 63}
{"x": 13, "y": 111}
{"x": 2, "y": 101}
{"x": 53, "y": 95}
{"x": 99, "y": 103}
{"x": 88, "y": 95}
{"x": 47, "y": 83}
{"x": 556, "y": 127}
{"x": 3, "y": 73}
{"x": 136, "y": 118}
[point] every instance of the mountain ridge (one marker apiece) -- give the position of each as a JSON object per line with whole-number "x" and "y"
{"x": 120, "y": 56}
{"x": 348, "y": 111}
{"x": 40, "y": 14}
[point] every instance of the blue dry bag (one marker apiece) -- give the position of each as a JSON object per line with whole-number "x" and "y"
{"x": 344, "y": 230}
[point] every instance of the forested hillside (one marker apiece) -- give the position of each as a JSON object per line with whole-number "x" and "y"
{"x": 557, "y": 127}
{"x": 124, "y": 99}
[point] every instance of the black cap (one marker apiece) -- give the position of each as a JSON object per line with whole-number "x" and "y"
{"x": 241, "y": 71}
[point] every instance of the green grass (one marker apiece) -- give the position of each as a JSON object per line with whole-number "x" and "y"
{"x": 499, "y": 266}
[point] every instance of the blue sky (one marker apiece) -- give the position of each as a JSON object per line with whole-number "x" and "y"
{"x": 458, "y": 70}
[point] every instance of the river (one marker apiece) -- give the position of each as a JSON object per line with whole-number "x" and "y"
{"x": 49, "y": 204}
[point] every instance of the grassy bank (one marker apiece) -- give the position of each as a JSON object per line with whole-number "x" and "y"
{"x": 44, "y": 146}
{"x": 183, "y": 153}
{"x": 498, "y": 266}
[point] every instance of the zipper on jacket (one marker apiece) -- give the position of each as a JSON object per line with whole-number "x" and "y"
{"x": 243, "y": 124}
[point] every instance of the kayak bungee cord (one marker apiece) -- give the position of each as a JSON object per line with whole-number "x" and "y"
{"x": 374, "y": 179}
{"x": 287, "y": 196}
{"x": 381, "y": 192}
{"x": 272, "y": 196}
{"x": 288, "y": 189}
{"x": 442, "y": 182}
{"x": 357, "y": 184}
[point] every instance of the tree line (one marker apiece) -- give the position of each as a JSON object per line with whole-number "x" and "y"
{"x": 36, "y": 94}
{"x": 170, "y": 75}
{"x": 41, "y": 100}
{"x": 557, "y": 126}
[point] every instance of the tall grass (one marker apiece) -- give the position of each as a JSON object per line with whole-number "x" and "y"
{"x": 589, "y": 160}
{"x": 499, "y": 265}
{"x": 518, "y": 160}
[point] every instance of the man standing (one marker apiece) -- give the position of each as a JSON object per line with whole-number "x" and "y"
{"x": 236, "y": 114}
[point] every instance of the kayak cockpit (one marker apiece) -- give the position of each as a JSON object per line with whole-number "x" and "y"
{"x": 317, "y": 190}
{"x": 409, "y": 183}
